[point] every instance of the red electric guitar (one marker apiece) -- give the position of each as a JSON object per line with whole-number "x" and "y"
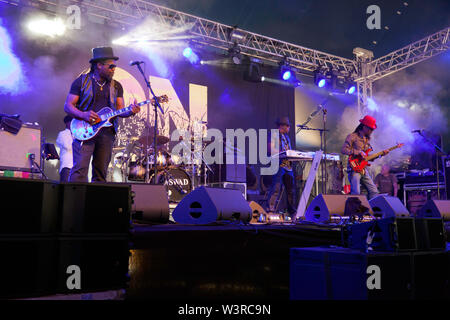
{"x": 358, "y": 163}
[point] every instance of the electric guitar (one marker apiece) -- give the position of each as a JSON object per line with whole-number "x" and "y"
{"x": 83, "y": 130}
{"x": 358, "y": 163}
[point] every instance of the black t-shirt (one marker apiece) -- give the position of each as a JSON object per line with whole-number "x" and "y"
{"x": 101, "y": 97}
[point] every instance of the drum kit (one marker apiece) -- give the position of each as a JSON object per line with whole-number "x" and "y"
{"x": 180, "y": 176}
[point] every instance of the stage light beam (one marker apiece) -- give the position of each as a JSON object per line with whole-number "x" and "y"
{"x": 47, "y": 27}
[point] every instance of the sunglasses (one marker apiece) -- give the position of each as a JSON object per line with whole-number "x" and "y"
{"x": 110, "y": 66}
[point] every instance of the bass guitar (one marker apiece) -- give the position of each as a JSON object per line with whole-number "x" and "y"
{"x": 358, "y": 163}
{"x": 83, "y": 130}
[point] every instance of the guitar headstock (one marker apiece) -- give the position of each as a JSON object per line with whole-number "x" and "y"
{"x": 399, "y": 145}
{"x": 161, "y": 99}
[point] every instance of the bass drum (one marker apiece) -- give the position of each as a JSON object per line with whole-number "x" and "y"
{"x": 136, "y": 171}
{"x": 177, "y": 182}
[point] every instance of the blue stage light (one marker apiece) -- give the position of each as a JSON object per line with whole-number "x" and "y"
{"x": 187, "y": 52}
{"x": 321, "y": 83}
{"x": 287, "y": 75}
{"x": 351, "y": 89}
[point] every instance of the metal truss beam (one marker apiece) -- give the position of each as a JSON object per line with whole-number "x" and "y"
{"x": 409, "y": 55}
{"x": 207, "y": 32}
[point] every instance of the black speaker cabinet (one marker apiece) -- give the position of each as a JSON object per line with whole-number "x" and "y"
{"x": 343, "y": 274}
{"x": 430, "y": 233}
{"x": 150, "y": 202}
{"x": 205, "y": 205}
{"x": 102, "y": 263}
{"x": 95, "y": 208}
{"x": 387, "y": 206}
{"x": 28, "y": 206}
{"x": 390, "y": 234}
{"x": 29, "y": 266}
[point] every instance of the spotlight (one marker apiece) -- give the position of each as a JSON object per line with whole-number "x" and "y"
{"x": 47, "y": 27}
{"x": 263, "y": 78}
{"x": 323, "y": 78}
{"x": 351, "y": 88}
{"x": 190, "y": 55}
{"x": 287, "y": 75}
{"x": 187, "y": 52}
{"x": 235, "y": 54}
{"x": 321, "y": 83}
{"x": 253, "y": 72}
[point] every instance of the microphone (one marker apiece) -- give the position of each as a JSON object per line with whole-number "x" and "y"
{"x": 416, "y": 131}
{"x": 133, "y": 63}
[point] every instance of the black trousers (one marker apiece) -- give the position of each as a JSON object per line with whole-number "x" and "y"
{"x": 64, "y": 174}
{"x": 100, "y": 149}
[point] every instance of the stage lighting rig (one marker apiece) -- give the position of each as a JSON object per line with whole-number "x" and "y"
{"x": 323, "y": 78}
{"x": 235, "y": 54}
{"x": 236, "y": 35}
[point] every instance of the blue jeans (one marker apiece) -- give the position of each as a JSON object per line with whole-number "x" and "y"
{"x": 287, "y": 178}
{"x": 357, "y": 180}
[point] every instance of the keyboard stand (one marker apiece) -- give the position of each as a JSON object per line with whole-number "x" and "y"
{"x": 304, "y": 197}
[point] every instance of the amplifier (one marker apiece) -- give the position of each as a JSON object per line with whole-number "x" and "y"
{"x": 241, "y": 186}
{"x": 16, "y": 148}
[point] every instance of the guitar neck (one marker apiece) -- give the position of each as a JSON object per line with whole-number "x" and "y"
{"x": 376, "y": 155}
{"x": 119, "y": 112}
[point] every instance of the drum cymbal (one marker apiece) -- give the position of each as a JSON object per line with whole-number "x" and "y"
{"x": 118, "y": 149}
{"x": 159, "y": 140}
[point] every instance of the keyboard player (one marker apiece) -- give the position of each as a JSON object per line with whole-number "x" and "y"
{"x": 285, "y": 174}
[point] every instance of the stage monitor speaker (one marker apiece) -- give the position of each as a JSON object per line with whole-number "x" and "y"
{"x": 103, "y": 208}
{"x": 323, "y": 207}
{"x": 150, "y": 202}
{"x": 387, "y": 206}
{"x": 15, "y": 148}
{"x": 205, "y": 205}
{"x": 28, "y": 206}
{"x": 435, "y": 209}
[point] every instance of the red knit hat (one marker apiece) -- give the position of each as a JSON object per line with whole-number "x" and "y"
{"x": 369, "y": 121}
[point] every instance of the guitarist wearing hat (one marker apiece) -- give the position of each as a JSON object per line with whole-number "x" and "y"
{"x": 356, "y": 145}
{"x": 88, "y": 94}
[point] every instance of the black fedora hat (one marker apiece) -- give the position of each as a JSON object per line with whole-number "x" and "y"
{"x": 102, "y": 53}
{"x": 283, "y": 120}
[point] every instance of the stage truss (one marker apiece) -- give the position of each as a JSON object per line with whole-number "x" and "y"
{"x": 217, "y": 35}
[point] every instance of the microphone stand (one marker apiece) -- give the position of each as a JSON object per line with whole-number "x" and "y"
{"x": 155, "y": 129}
{"x": 438, "y": 151}
{"x": 323, "y": 139}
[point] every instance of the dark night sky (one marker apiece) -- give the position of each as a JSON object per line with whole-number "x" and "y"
{"x": 335, "y": 27}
